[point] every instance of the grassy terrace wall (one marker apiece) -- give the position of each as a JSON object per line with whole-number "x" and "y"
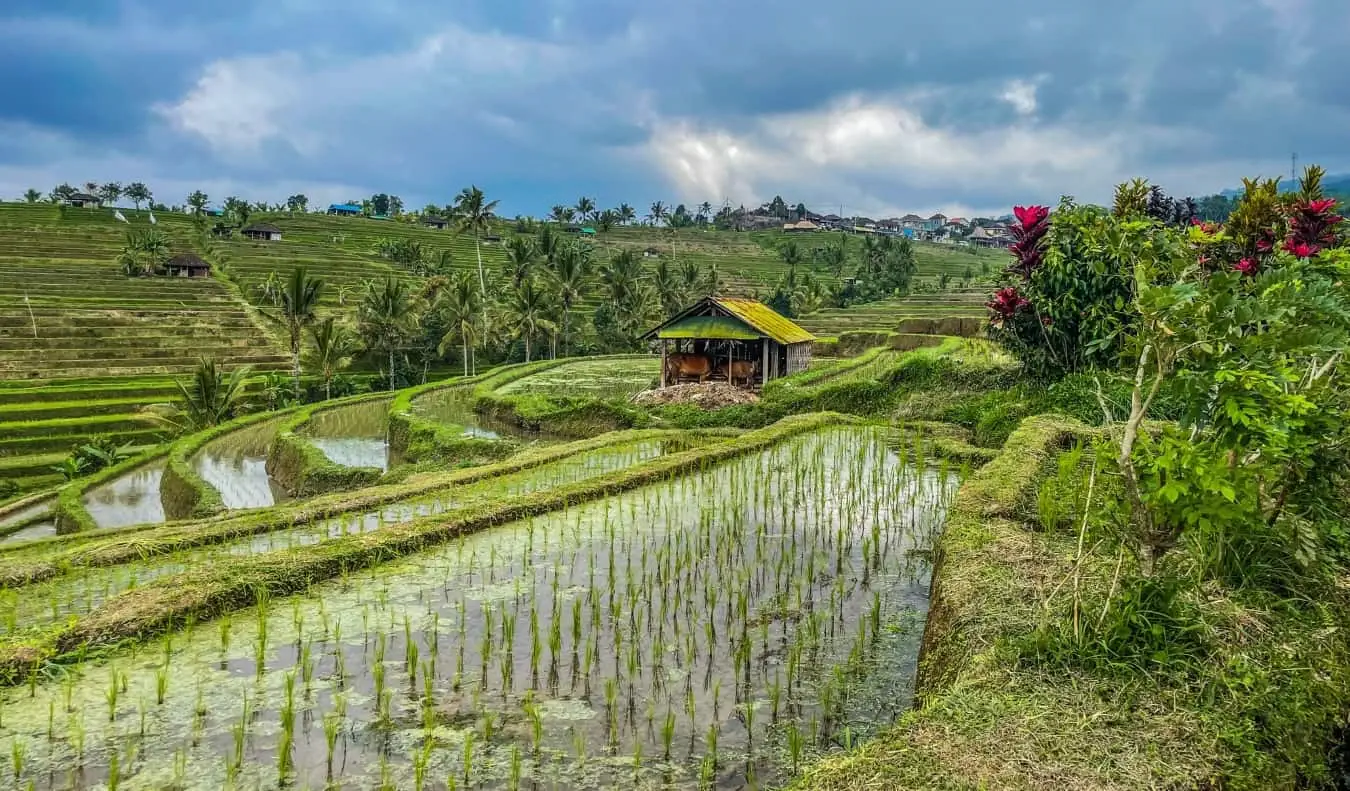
{"x": 420, "y": 439}
{"x": 171, "y": 602}
{"x": 1261, "y": 716}
{"x": 562, "y": 416}
{"x": 301, "y": 468}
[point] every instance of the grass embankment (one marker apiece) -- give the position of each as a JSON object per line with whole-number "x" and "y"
{"x": 547, "y": 410}
{"x": 302, "y": 468}
{"x": 1256, "y": 709}
{"x": 43, "y": 559}
{"x": 172, "y": 602}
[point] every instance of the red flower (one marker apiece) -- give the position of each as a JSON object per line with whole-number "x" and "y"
{"x": 1246, "y": 266}
{"x": 1264, "y": 245}
{"x": 1321, "y": 206}
{"x": 1301, "y": 249}
{"x": 1195, "y": 221}
{"x": 1005, "y": 304}
{"x": 1029, "y": 236}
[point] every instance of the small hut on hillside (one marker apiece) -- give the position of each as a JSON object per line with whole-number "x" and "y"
{"x": 262, "y": 231}
{"x": 187, "y": 265}
{"x": 735, "y": 340}
{"x": 82, "y": 200}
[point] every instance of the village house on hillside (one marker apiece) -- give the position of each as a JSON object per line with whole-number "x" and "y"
{"x": 262, "y": 232}
{"x": 433, "y": 221}
{"x": 82, "y": 200}
{"x": 344, "y": 209}
{"x": 797, "y": 227}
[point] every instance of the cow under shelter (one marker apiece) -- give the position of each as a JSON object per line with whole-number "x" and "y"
{"x": 740, "y": 341}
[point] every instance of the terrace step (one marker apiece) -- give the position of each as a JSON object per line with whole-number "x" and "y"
{"x": 62, "y": 443}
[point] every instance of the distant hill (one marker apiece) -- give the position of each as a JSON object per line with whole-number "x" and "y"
{"x": 1337, "y": 185}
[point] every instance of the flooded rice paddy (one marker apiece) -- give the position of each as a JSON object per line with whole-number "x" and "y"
{"x": 711, "y": 631}
{"x": 85, "y": 588}
{"x": 453, "y": 406}
{"x": 30, "y": 521}
{"x": 129, "y": 499}
{"x": 236, "y": 466}
{"x": 353, "y": 436}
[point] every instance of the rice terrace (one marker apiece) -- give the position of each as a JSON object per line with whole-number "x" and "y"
{"x": 373, "y": 498}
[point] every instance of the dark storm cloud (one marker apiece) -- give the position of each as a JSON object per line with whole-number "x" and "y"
{"x": 632, "y": 101}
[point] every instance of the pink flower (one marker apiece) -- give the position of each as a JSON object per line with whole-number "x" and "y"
{"x": 1264, "y": 246}
{"x": 1321, "y": 205}
{"x": 1031, "y": 215}
{"x": 1246, "y": 266}
{"x": 1005, "y": 304}
{"x": 1029, "y": 236}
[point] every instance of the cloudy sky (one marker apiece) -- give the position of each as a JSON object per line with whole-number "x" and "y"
{"x": 879, "y": 107}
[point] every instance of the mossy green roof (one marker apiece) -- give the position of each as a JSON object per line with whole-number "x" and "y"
{"x": 749, "y": 320}
{"x": 711, "y": 327}
{"x": 766, "y": 320}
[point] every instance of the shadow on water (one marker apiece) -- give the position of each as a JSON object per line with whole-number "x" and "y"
{"x": 236, "y": 466}
{"x": 129, "y": 499}
{"x": 354, "y": 436}
{"x": 715, "y": 630}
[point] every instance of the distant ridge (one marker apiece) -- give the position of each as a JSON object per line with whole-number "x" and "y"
{"x": 1338, "y": 185}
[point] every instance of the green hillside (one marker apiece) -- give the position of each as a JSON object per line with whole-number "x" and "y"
{"x": 84, "y": 348}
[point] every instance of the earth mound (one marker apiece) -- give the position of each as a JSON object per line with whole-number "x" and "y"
{"x": 710, "y": 395}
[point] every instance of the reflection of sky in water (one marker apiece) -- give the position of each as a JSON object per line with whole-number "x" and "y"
{"x": 39, "y": 530}
{"x": 129, "y": 499}
{"x": 23, "y": 514}
{"x": 354, "y": 451}
{"x": 236, "y": 466}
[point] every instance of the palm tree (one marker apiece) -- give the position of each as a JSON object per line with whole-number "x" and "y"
{"x": 790, "y": 253}
{"x": 568, "y": 278}
{"x": 559, "y": 213}
{"x": 669, "y": 289}
{"x": 475, "y": 213}
{"x": 528, "y": 309}
{"x": 334, "y": 345}
{"x": 626, "y": 213}
{"x": 386, "y": 317}
{"x": 585, "y": 208}
{"x": 212, "y": 396}
{"x": 299, "y": 299}
{"x": 520, "y": 255}
{"x": 704, "y": 211}
{"x": 547, "y": 245}
{"x": 459, "y": 307}
{"x": 32, "y": 196}
{"x": 659, "y": 212}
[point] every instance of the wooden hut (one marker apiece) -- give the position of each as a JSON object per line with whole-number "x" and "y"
{"x": 187, "y": 265}
{"x": 734, "y": 336}
{"x": 262, "y": 232}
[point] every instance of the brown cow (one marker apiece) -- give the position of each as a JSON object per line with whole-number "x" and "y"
{"x": 681, "y": 365}
{"x": 740, "y": 370}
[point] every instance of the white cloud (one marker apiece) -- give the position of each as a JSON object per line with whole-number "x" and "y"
{"x": 827, "y": 153}
{"x": 1022, "y": 96}
{"x": 238, "y": 104}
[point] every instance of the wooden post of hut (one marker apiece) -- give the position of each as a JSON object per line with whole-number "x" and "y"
{"x": 664, "y": 342}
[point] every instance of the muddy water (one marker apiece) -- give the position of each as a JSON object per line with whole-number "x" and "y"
{"x": 453, "y": 406}
{"x": 353, "y": 436}
{"x": 712, "y": 631}
{"x": 236, "y": 466}
{"x": 86, "y": 588}
{"x": 129, "y": 499}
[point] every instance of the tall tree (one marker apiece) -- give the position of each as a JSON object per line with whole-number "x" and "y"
{"x": 520, "y": 256}
{"x": 474, "y": 213}
{"x": 626, "y": 213}
{"x": 567, "y": 278}
{"x": 658, "y": 213}
{"x": 558, "y": 213}
{"x": 299, "y": 300}
{"x": 32, "y": 196}
{"x": 585, "y": 208}
{"x": 91, "y": 187}
{"x": 138, "y": 193}
{"x": 332, "y": 351}
{"x": 528, "y": 309}
{"x": 386, "y": 316}
{"x": 197, "y": 201}
{"x": 790, "y": 253}
{"x": 670, "y": 289}
{"x": 460, "y": 310}
{"x": 238, "y": 210}
{"x": 547, "y": 244}
{"x": 110, "y": 192}
{"x": 62, "y": 192}
{"x": 704, "y": 212}
{"x": 297, "y": 203}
